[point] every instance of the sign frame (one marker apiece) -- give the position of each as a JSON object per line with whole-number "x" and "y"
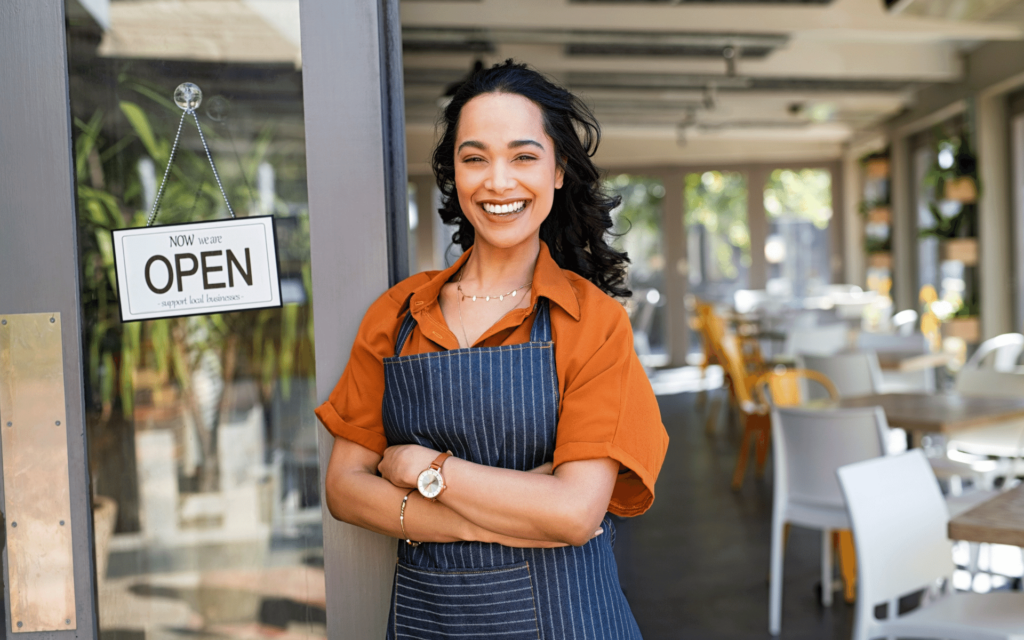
{"x": 121, "y": 276}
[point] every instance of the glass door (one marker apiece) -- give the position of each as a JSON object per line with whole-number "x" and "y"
{"x": 202, "y": 437}
{"x": 798, "y": 204}
{"x": 717, "y": 234}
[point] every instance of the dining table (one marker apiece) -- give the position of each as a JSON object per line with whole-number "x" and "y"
{"x": 938, "y": 412}
{"x": 906, "y": 362}
{"x": 997, "y": 521}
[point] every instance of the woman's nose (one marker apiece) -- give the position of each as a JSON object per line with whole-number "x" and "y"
{"x": 501, "y": 178}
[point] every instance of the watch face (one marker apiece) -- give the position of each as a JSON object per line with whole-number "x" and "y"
{"x": 429, "y": 483}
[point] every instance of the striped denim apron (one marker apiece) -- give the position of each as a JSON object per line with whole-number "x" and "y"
{"x": 496, "y": 406}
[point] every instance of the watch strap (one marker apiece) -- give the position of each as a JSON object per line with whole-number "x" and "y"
{"x": 440, "y": 460}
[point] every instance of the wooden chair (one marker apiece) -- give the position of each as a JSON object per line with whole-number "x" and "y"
{"x": 784, "y": 388}
{"x": 754, "y": 416}
{"x": 742, "y": 360}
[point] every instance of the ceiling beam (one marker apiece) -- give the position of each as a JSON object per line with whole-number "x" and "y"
{"x": 853, "y": 20}
{"x": 930, "y": 62}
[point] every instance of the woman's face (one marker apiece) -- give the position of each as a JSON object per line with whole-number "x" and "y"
{"x": 505, "y": 169}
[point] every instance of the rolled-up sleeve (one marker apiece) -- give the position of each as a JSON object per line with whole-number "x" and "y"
{"x": 608, "y": 410}
{"x": 353, "y": 410}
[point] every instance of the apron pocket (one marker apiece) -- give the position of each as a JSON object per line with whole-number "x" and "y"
{"x": 470, "y": 603}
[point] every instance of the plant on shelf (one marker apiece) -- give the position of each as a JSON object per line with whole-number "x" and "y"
{"x": 874, "y": 207}
{"x": 951, "y": 188}
{"x": 950, "y": 193}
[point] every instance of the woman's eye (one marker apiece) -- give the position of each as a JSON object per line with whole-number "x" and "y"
{"x": 526, "y": 157}
{"x": 472, "y": 159}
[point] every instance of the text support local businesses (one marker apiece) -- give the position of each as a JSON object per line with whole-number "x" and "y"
{"x": 197, "y": 268}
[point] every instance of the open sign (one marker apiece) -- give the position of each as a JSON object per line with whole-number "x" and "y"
{"x": 197, "y": 268}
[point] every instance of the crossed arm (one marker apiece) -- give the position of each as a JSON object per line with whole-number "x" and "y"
{"x": 484, "y": 504}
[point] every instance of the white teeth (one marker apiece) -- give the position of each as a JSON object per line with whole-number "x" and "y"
{"x": 512, "y": 207}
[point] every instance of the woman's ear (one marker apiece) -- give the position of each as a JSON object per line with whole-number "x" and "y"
{"x": 559, "y": 176}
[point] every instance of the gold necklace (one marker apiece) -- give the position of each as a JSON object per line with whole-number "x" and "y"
{"x": 458, "y": 287}
{"x": 499, "y": 297}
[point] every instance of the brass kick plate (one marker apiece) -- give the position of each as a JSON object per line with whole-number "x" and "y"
{"x": 35, "y": 459}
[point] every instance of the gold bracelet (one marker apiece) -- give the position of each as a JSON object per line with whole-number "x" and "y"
{"x": 401, "y": 520}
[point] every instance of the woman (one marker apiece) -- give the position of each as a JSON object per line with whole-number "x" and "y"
{"x": 500, "y": 400}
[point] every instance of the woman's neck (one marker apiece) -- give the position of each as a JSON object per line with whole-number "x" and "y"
{"x": 491, "y": 270}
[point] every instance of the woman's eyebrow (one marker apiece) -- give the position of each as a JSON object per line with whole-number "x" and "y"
{"x": 472, "y": 143}
{"x": 515, "y": 144}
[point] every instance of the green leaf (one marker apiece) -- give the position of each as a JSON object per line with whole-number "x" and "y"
{"x": 140, "y": 124}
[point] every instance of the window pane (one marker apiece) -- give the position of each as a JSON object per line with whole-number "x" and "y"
{"x": 202, "y": 438}
{"x": 717, "y": 234}
{"x": 638, "y": 221}
{"x": 798, "y": 204}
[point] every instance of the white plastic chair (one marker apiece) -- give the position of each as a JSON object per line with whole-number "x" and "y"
{"x": 808, "y": 447}
{"x": 854, "y": 374}
{"x": 899, "y": 528}
{"x": 1004, "y": 350}
{"x": 922, "y": 381}
{"x": 1004, "y": 440}
{"x": 892, "y": 342}
{"x": 905, "y": 321}
{"x": 821, "y": 340}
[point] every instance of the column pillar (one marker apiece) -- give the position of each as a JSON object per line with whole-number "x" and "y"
{"x": 676, "y": 282}
{"x": 904, "y": 228}
{"x": 853, "y": 258}
{"x": 995, "y": 266}
{"x": 757, "y": 223}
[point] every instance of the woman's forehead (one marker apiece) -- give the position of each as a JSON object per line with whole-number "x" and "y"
{"x": 500, "y": 118}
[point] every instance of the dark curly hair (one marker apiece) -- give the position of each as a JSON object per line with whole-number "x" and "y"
{"x": 580, "y": 215}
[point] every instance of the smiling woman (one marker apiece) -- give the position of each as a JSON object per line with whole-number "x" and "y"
{"x": 505, "y": 389}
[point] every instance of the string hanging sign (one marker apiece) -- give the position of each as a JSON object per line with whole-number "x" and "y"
{"x": 195, "y": 268}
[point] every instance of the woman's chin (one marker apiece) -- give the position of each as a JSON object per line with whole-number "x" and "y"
{"x": 505, "y": 241}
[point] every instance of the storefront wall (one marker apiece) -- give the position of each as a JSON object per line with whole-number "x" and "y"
{"x": 199, "y": 431}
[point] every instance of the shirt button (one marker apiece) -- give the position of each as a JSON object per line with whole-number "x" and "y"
{"x": 418, "y": 303}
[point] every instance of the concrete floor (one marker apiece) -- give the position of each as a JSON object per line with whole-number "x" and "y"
{"x": 696, "y": 564}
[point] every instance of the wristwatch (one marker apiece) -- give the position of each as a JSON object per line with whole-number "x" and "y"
{"x": 430, "y": 482}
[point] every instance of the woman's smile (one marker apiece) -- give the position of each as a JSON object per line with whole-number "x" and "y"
{"x": 505, "y": 210}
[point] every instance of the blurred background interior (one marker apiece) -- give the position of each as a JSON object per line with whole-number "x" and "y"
{"x": 802, "y": 181}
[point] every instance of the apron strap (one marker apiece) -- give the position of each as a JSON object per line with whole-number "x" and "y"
{"x": 541, "y": 331}
{"x": 408, "y": 324}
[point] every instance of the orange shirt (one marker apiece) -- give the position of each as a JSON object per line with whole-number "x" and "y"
{"x": 607, "y": 408}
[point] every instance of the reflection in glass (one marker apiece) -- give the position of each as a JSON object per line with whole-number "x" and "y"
{"x": 640, "y": 215}
{"x": 718, "y": 237}
{"x": 798, "y": 204}
{"x": 202, "y": 439}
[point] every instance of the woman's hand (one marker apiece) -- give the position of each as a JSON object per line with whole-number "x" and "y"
{"x": 403, "y": 463}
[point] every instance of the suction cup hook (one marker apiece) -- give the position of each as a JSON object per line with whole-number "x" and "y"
{"x": 188, "y": 96}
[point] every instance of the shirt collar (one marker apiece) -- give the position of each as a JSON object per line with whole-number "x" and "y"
{"x": 549, "y": 281}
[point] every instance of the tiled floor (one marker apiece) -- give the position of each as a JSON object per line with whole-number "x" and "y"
{"x": 696, "y": 565}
